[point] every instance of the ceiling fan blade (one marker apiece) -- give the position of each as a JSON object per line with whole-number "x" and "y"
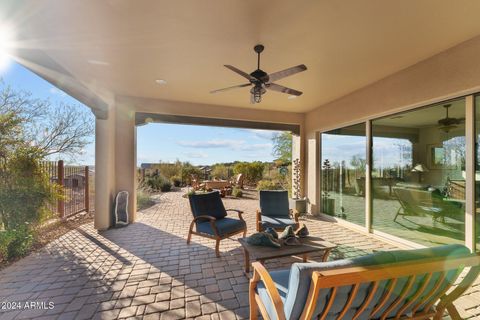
{"x": 240, "y": 72}
{"x": 287, "y": 72}
{"x": 232, "y": 87}
{"x": 279, "y": 88}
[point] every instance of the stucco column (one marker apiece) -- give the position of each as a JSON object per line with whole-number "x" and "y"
{"x": 126, "y": 155}
{"x": 104, "y": 170}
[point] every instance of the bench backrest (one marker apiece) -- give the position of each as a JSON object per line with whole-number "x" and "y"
{"x": 377, "y": 286}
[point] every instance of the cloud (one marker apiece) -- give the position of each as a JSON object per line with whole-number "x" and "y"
{"x": 197, "y": 155}
{"x": 56, "y": 91}
{"x": 211, "y": 143}
{"x": 256, "y": 147}
{"x": 262, "y": 134}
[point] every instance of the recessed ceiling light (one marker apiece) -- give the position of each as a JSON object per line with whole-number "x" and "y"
{"x": 161, "y": 81}
{"x": 292, "y": 97}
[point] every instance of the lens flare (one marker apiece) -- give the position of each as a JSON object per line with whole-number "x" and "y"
{"x": 6, "y": 45}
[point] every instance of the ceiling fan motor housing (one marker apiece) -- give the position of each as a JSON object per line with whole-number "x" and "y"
{"x": 260, "y": 75}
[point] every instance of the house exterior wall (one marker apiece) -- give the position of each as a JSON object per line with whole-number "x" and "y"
{"x": 452, "y": 73}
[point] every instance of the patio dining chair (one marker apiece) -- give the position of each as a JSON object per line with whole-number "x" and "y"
{"x": 210, "y": 219}
{"x": 274, "y": 211}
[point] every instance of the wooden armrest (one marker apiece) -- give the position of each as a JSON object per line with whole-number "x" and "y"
{"x": 462, "y": 286}
{"x": 260, "y": 273}
{"x": 240, "y": 212}
{"x": 211, "y": 220}
{"x": 295, "y": 214}
{"x": 204, "y": 217}
{"x": 236, "y": 210}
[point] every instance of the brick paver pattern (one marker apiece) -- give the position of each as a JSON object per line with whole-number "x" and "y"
{"x": 147, "y": 271}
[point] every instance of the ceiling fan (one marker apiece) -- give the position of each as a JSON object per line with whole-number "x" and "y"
{"x": 446, "y": 124}
{"x": 262, "y": 81}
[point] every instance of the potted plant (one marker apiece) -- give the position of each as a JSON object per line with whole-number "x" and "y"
{"x": 300, "y": 204}
{"x": 328, "y": 204}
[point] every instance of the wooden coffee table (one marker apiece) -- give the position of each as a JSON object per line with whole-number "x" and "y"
{"x": 309, "y": 245}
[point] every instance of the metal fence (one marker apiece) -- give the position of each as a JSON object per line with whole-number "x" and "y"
{"x": 75, "y": 183}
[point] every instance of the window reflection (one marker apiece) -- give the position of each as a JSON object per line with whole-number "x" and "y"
{"x": 418, "y": 174}
{"x": 343, "y": 173}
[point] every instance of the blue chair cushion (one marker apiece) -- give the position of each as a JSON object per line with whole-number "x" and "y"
{"x": 207, "y": 204}
{"x": 276, "y": 222}
{"x": 280, "y": 278}
{"x": 274, "y": 203}
{"x": 301, "y": 273}
{"x": 224, "y": 226}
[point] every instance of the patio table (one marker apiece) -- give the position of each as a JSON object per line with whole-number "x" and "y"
{"x": 262, "y": 253}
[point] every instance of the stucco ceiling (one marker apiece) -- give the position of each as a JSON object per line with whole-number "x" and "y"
{"x": 122, "y": 46}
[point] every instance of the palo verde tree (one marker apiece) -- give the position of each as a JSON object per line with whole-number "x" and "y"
{"x": 282, "y": 146}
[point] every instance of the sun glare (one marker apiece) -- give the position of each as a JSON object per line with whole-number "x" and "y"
{"x": 6, "y": 38}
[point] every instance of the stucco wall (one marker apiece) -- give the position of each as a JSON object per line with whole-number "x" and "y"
{"x": 454, "y": 72}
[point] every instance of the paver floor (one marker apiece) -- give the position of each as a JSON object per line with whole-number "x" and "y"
{"x": 147, "y": 271}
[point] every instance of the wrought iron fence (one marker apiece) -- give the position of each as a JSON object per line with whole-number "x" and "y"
{"x": 75, "y": 182}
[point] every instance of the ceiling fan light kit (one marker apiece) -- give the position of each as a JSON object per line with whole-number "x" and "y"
{"x": 262, "y": 81}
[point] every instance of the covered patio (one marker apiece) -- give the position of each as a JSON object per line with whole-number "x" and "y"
{"x": 372, "y": 67}
{"x": 147, "y": 269}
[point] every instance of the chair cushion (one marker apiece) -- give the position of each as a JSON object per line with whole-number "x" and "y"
{"x": 207, "y": 204}
{"x": 280, "y": 278}
{"x": 276, "y": 222}
{"x": 301, "y": 273}
{"x": 224, "y": 226}
{"x": 274, "y": 203}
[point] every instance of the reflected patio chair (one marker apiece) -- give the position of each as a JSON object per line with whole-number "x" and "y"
{"x": 274, "y": 211}
{"x": 210, "y": 219}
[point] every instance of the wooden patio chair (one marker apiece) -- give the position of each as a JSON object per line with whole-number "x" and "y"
{"x": 210, "y": 219}
{"x": 274, "y": 211}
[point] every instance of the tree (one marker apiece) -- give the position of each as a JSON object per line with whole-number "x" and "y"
{"x": 52, "y": 129}
{"x": 252, "y": 171}
{"x": 282, "y": 146}
{"x": 220, "y": 171}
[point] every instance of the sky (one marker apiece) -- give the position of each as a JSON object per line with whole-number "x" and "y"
{"x": 200, "y": 145}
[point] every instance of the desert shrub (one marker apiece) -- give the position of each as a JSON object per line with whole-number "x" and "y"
{"x": 220, "y": 171}
{"x": 176, "y": 180}
{"x": 25, "y": 190}
{"x": 188, "y": 171}
{"x": 15, "y": 243}
{"x": 144, "y": 199}
{"x": 269, "y": 185}
{"x": 252, "y": 171}
{"x": 237, "y": 192}
{"x": 168, "y": 170}
{"x": 158, "y": 182}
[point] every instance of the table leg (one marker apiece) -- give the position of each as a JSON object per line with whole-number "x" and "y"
{"x": 247, "y": 261}
{"x": 325, "y": 255}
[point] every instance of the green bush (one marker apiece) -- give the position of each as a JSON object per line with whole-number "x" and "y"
{"x": 220, "y": 171}
{"x": 15, "y": 243}
{"x": 237, "y": 192}
{"x": 252, "y": 171}
{"x": 269, "y": 185}
{"x": 25, "y": 190}
{"x": 158, "y": 183}
{"x": 176, "y": 180}
{"x": 188, "y": 171}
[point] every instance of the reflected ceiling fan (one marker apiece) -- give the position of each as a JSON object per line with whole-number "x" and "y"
{"x": 446, "y": 124}
{"x": 262, "y": 81}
